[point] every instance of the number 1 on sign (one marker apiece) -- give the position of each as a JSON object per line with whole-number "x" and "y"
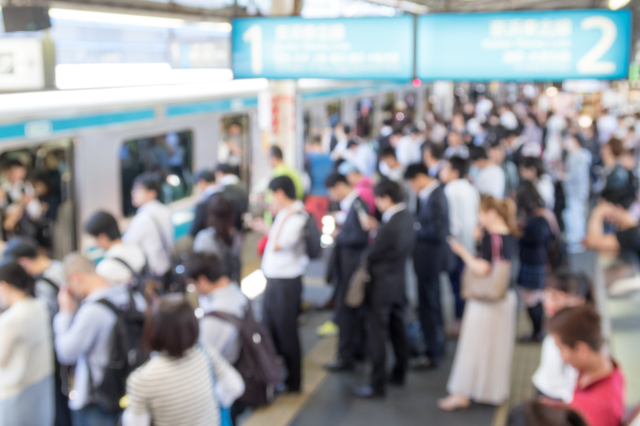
{"x": 253, "y": 36}
{"x": 590, "y": 63}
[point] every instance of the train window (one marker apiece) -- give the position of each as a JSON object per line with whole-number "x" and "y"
{"x": 168, "y": 154}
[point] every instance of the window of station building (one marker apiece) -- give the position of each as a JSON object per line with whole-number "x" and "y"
{"x": 169, "y": 154}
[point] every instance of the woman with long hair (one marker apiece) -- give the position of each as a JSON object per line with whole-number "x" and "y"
{"x": 482, "y": 364}
{"x": 534, "y": 254}
{"x": 221, "y": 237}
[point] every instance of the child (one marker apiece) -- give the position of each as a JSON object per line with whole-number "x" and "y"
{"x": 555, "y": 379}
{"x": 599, "y": 393}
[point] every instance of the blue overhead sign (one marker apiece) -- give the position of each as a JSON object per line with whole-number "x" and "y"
{"x": 553, "y": 45}
{"x": 358, "y": 48}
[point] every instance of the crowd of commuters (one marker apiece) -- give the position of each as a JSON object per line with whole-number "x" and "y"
{"x": 495, "y": 200}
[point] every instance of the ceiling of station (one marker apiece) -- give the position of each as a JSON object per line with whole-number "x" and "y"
{"x": 497, "y": 5}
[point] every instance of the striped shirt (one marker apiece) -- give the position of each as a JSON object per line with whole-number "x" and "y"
{"x": 179, "y": 391}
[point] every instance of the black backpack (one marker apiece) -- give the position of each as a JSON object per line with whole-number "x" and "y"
{"x": 258, "y": 364}
{"x": 312, "y": 237}
{"x": 126, "y": 353}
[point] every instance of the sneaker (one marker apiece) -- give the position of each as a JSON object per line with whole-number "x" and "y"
{"x": 328, "y": 329}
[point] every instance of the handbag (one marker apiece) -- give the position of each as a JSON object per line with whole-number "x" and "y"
{"x": 357, "y": 285}
{"x": 492, "y": 287}
{"x": 225, "y": 413}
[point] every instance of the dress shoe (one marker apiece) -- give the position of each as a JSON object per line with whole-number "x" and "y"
{"x": 394, "y": 380}
{"x": 423, "y": 363}
{"x": 339, "y": 365}
{"x": 367, "y": 392}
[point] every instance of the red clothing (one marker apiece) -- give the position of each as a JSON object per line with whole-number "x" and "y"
{"x": 601, "y": 403}
{"x": 365, "y": 191}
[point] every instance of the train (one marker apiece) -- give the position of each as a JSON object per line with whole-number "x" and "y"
{"x": 96, "y": 141}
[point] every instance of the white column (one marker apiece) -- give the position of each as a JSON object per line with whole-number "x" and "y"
{"x": 283, "y": 102}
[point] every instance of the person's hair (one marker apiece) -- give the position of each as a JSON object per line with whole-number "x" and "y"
{"x": 224, "y": 168}
{"x": 75, "y": 262}
{"x": 275, "y": 152}
{"x": 389, "y": 188}
{"x": 13, "y": 162}
{"x": 397, "y": 132}
{"x": 576, "y": 284}
{"x": 477, "y": 153}
{"x": 346, "y": 129}
{"x": 205, "y": 175}
{"x": 335, "y": 178}
{"x": 460, "y": 164}
{"x": 437, "y": 150}
{"x": 208, "y": 265}
{"x": 415, "y": 169}
{"x": 533, "y": 162}
{"x": 616, "y": 146}
{"x": 528, "y": 198}
{"x": 535, "y": 413}
{"x": 578, "y": 324}
{"x": 285, "y": 184}
{"x": 13, "y": 274}
{"x": 103, "y": 223}
{"x": 505, "y": 208}
{"x": 388, "y": 152}
{"x": 18, "y": 247}
{"x": 351, "y": 144}
{"x": 221, "y": 214}
{"x": 150, "y": 181}
{"x": 171, "y": 326}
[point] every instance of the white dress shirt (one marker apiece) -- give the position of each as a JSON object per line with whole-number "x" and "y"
{"x": 345, "y": 206}
{"x": 291, "y": 260}
{"x": 409, "y": 150}
{"x": 491, "y": 181}
{"x": 114, "y": 271}
{"x": 219, "y": 334}
{"x": 151, "y": 229}
{"x": 463, "y": 201}
{"x": 553, "y": 377}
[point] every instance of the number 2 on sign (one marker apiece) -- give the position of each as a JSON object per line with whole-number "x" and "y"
{"x": 253, "y": 36}
{"x": 590, "y": 63}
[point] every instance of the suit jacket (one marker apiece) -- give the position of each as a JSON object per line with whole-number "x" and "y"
{"x": 200, "y": 218}
{"x": 388, "y": 257}
{"x": 351, "y": 242}
{"x": 432, "y": 229}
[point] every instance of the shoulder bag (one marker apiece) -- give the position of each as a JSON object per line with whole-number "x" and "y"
{"x": 492, "y": 287}
{"x": 358, "y": 285}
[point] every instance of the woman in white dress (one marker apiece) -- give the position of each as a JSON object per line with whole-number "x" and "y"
{"x": 482, "y": 365}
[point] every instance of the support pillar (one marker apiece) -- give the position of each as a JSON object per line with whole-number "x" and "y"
{"x": 283, "y": 102}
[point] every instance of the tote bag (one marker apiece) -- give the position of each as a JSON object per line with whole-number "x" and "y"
{"x": 492, "y": 287}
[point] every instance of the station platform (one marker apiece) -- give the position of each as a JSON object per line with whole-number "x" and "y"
{"x": 326, "y": 398}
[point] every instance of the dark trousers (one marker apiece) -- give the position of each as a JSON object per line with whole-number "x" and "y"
{"x": 350, "y": 322}
{"x": 455, "y": 277}
{"x": 430, "y": 313}
{"x": 63, "y": 414}
{"x": 281, "y": 310}
{"x": 386, "y": 320}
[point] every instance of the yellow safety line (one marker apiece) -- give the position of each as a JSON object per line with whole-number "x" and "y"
{"x": 287, "y": 406}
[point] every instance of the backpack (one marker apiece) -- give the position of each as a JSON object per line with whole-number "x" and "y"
{"x": 557, "y": 250}
{"x": 312, "y": 237}
{"x": 258, "y": 364}
{"x": 126, "y": 353}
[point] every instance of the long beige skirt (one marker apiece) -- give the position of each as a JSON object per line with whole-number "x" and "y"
{"x": 482, "y": 365}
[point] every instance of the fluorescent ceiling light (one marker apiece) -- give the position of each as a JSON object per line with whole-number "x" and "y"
{"x": 214, "y": 26}
{"x": 115, "y": 18}
{"x": 87, "y": 76}
{"x": 617, "y": 4}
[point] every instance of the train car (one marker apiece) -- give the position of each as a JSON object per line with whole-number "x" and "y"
{"x": 93, "y": 143}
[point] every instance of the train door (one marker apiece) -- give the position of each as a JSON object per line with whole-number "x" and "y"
{"x": 50, "y": 184}
{"x": 234, "y": 147}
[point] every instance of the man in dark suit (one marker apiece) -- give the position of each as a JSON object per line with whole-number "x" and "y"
{"x": 230, "y": 184}
{"x": 430, "y": 257}
{"x": 205, "y": 181}
{"x": 350, "y": 243}
{"x": 385, "y": 296}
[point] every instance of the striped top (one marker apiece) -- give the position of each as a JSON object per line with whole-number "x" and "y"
{"x": 179, "y": 391}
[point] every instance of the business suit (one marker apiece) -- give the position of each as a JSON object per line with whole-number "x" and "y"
{"x": 385, "y": 298}
{"x": 351, "y": 243}
{"x": 240, "y": 198}
{"x": 430, "y": 258}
